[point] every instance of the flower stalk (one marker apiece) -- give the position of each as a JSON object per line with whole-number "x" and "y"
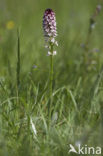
{"x": 51, "y": 71}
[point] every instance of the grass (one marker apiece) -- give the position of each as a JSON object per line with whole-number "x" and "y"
{"x": 77, "y": 107}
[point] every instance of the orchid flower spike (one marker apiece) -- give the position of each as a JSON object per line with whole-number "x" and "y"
{"x": 49, "y": 28}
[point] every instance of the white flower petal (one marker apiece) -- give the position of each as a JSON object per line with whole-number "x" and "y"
{"x": 53, "y": 40}
{"x": 54, "y": 53}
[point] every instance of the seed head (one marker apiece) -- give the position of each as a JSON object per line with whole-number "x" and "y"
{"x": 49, "y": 25}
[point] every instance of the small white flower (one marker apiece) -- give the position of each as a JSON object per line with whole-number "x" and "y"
{"x": 49, "y": 53}
{"x": 56, "y": 43}
{"x": 49, "y": 34}
{"x": 53, "y": 40}
{"x": 47, "y": 30}
{"x": 54, "y": 53}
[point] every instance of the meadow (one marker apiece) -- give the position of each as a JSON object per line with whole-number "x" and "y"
{"x": 29, "y": 125}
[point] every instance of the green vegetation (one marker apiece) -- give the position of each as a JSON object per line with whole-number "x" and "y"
{"x": 77, "y": 100}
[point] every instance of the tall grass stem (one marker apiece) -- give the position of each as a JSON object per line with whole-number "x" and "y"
{"x": 18, "y": 59}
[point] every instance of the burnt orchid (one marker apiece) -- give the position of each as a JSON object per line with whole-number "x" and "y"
{"x": 50, "y": 34}
{"x": 50, "y": 31}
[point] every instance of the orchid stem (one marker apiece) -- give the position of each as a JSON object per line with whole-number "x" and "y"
{"x": 51, "y": 71}
{"x": 51, "y": 79}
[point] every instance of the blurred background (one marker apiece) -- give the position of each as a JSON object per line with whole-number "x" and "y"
{"x": 72, "y": 25}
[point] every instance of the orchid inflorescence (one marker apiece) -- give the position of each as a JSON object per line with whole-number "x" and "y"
{"x": 50, "y": 32}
